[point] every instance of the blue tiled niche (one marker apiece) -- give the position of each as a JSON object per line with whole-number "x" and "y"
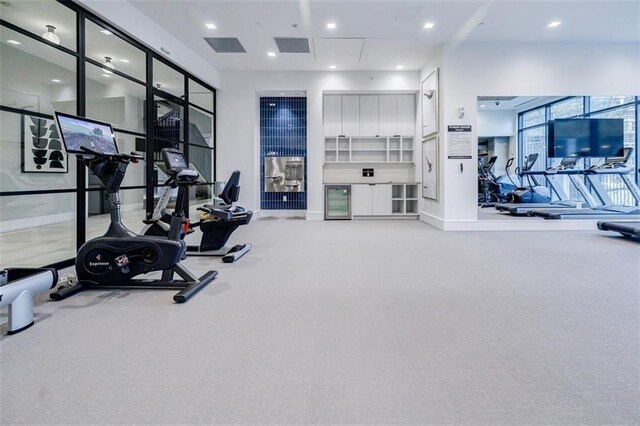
{"x": 283, "y": 133}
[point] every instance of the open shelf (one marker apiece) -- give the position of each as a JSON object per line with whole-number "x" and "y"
{"x": 369, "y": 149}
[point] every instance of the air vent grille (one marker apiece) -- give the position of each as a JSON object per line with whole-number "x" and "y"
{"x": 292, "y": 45}
{"x": 225, "y": 44}
{"x": 496, "y": 98}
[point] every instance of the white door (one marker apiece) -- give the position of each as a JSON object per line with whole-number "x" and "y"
{"x": 361, "y": 200}
{"x": 387, "y": 115}
{"x": 350, "y": 115}
{"x": 332, "y": 111}
{"x": 381, "y": 200}
{"x": 369, "y": 115}
{"x": 406, "y": 115}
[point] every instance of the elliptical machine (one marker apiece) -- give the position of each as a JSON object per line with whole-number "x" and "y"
{"x": 533, "y": 192}
{"x": 113, "y": 260}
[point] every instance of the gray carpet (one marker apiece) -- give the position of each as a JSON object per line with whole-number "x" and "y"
{"x": 366, "y": 322}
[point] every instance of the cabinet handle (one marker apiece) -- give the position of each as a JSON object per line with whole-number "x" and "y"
{"x": 396, "y": 136}
{"x": 341, "y": 136}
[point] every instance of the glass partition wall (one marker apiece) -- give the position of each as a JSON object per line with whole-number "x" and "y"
{"x": 55, "y": 56}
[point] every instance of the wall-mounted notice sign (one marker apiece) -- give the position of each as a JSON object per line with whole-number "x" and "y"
{"x": 459, "y": 141}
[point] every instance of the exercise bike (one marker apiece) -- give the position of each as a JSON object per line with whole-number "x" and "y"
{"x": 217, "y": 221}
{"x": 115, "y": 259}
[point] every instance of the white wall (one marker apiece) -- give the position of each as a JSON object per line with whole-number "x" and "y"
{"x": 521, "y": 69}
{"x": 238, "y": 135}
{"x": 496, "y": 123}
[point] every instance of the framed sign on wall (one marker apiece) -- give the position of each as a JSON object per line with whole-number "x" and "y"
{"x": 42, "y": 150}
{"x": 430, "y": 168}
{"x": 429, "y": 91}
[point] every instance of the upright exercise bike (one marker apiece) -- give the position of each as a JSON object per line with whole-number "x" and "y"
{"x": 113, "y": 260}
{"x": 217, "y": 221}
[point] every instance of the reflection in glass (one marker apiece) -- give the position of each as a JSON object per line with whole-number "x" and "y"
{"x": 202, "y": 160}
{"x": 531, "y": 118}
{"x": 102, "y": 44}
{"x": 167, "y": 79}
{"x": 35, "y": 76}
{"x": 200, "y": 96}
{"x": 115, "y": 99}
{"x": 133, "y": 211}
{"x": 597, "y": 103}
{"x": 200, "y": 127}
{"x": 35, "y": 15}
{"x": 16, "y": 146}
{"x": 168, "y": 119}
{"x": 37, "y": 230}
{"x": 569, "y": 108}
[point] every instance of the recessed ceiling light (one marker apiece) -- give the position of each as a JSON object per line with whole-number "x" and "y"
{"x": 482, "y": 106}
{"x": 429, "y": 25}
{"x": 272, "y": 54}
{"x": 16, "y": 42}
{"x": 332, "y": 67}
{"x": 211, "y": 26}
{"x": 399, "y": 67}
{"x": 106, "y": 32}
{"x": 106, "y": 75}
{"x": 331, "y": 26}
{"x": 554, "y": 24}
{"x": 126, "y": 61}
{"x": 55, "y": 80}
{"x": 281, "y": 93}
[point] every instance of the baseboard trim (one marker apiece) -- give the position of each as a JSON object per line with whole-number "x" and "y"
{"x": 521, "y": 224}
{"x": 315, "y": 215}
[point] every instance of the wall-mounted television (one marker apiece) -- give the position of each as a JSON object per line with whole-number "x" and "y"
{"x": 586, "y": 137}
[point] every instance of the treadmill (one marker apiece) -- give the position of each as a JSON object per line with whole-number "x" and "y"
{"x": 565, "y": 168}
{"x": 628, "y": 229}
{"x": 611, "y": 166}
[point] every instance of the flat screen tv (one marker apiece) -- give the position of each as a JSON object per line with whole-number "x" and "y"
{"x": 80, "y": 131}
{"x": 586, "y": 137}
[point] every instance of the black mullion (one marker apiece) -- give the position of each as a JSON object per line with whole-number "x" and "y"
{"x": 116, "y": 72}
{"x": 150, "y": 118}
{"x": 81, "y": 180}
{"x": 186, "y": 134}
{"x": 194, "y": 106}
{"x": 39, "y": 38}
{"x": 36, "y": 192}
{"x": 25, "y": 111}
{"x": 215, "y": 132}
{"x": 129, "y": 132}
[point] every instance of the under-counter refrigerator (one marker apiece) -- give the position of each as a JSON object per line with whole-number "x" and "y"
{"x": 337, "y": 202}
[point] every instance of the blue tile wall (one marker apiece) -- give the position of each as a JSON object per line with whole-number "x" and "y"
{"x": 283, "y": 133}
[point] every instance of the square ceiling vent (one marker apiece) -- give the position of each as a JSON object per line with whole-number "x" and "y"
{"x": 225, "y": 44}
{"x": 292, "y": 45}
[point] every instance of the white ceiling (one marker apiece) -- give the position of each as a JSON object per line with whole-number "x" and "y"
{"x": 379, "y": 35}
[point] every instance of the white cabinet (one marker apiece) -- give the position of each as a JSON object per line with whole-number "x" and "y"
{"x": 361, "y": 199}
{"x": 350, "y": 115}
{"x": 371, "y": 200}
{"x": 369, "y": 115}
{"x": 405, "y": 115}
{"x": 332, "y": 110}
{"x": 387, "y": 115}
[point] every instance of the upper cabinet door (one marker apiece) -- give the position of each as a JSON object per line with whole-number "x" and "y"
{"x": 406, "y": 115}
{"x": 387, "y": 114}
{"x": 350, "y": 115}
{"x": 369, "y": 115}
{"x": 332, "y": 110}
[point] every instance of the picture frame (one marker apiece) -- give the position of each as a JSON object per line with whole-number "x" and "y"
{"x": 42, "y": 150}
{"x": 429, "y": 93}
{"x": 430, "y": 168}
